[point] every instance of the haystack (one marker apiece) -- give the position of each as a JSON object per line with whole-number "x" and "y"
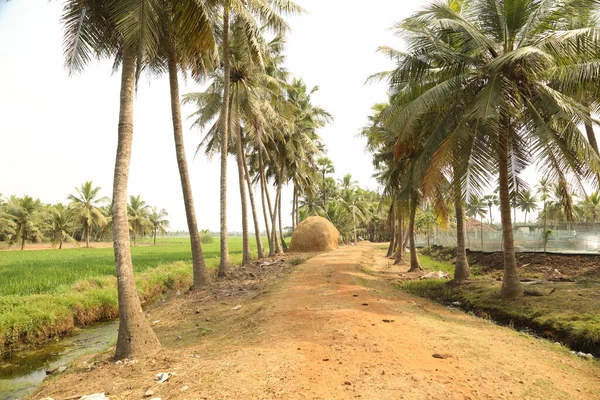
{"x": 315, "y": 234}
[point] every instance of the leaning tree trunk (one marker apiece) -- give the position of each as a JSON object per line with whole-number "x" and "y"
{"x": 511, "y": 285}
{"x": 415, "y": 264}
{"x": 136, "y": 337}
{"x": 246, "y": 256}
{"x": 461, "y": 267}
{"x": 198, "y": 264}
{"x": 259, "y": 245}
{"x": 225, "y": 264}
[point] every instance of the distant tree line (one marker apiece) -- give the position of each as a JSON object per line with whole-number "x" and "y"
{"x": 87, "y": 217}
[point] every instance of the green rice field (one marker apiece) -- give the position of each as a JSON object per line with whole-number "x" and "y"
{"x": 54, "y": 271}
{"x": 47, "y": 293}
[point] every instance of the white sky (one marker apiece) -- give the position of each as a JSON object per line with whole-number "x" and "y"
{"x": 57, "y": 131}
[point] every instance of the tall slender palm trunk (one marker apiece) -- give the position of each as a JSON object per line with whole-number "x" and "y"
{"x": 399, "y": 258}
{"x": 135, "y": 336}
{"x": 259, "y": 245}
{"x": 265, "y": 199}
{"x": 392, "y": 216}
{"x": 461, "y": 267}
{"x": 283, "y": 244}
{"x": 225, "y": 264}
{"x": 511, "y": 285}
{"x": 87, "y": 236}
{"x": 295, "y": 194}
{"x": 415, "y": 264}
{"x": 275, "y": 239}
{"x": 246, "y": 256}
{"x": 198, "y": 264}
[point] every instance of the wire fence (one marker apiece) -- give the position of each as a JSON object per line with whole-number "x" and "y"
{"x": 562, "y": 238}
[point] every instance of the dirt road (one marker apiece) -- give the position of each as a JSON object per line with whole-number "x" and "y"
{"x": 335, "y": 328}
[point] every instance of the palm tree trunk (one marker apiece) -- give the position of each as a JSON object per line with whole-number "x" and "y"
{"x": 259, "y": 245}
{"x": 278, "y": 249}
{"x": 461, "y": 268}
{"x": 392, "y": 217}
{"x": 87, "y": 236}
{"x": 415, "y": 265}
{"x": 511, "y": 285}
{"x": 283, "y": 244}
{"x": 399, "y": 259}
{"x": 246, "y": 256}
{"x": 265, "y": 199}
{"x": 154, "y": 242}
{"x": 225, "y": 264}
{"x": 200, "y": 272}
{"x": 136, "y": 337}
{"x": 60, "y": 242}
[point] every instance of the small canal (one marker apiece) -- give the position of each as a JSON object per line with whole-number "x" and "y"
{"x": 23, "y": 372}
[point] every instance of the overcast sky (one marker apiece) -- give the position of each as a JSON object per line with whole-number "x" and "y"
{"x": 58, "y": 131}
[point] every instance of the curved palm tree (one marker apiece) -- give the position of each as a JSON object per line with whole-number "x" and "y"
{"x": 187, "y": 44}
{"x": 159, "y": 221}
{"x": 127, "y": 30}
{"x": 86, "y": 204}
{"x": 508, "y": 68}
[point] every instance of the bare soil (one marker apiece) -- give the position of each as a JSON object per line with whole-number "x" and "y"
{"x": 547, "y": 266}
{"x": 333, "y": 328}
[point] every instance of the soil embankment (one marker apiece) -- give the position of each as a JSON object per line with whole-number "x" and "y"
{"x": 335, "y": 328}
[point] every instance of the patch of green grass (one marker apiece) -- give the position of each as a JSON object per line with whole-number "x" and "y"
{"x": 571, "y": 314}
{"x": 54, "y": 271}
{"x": 434, "y": 289}
{"x": 32, "y": 319}
{"x": 46, "y": 293}
{"x": 430, "y": 264}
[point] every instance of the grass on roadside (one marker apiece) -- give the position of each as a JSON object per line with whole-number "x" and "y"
{"x": 571, "y": 314}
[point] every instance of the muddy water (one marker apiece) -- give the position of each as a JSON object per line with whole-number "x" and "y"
{"x": 24, "y": 372}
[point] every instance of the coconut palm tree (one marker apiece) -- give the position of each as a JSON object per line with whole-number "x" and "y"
{"x": 187, "y": 44}
{"x": 159, "y": 222}
{"x": 86, "y": 204}
{"x": 490, "y": 200}
{"x": 26, "y": 213}
{"x": 507, "y": 64}
{"x": 60, "y": 221}
{"x": 477, "y": 208}
{"x": 590, "y": 206}
{"x": 138, "y": 213}
{"x": 527, "y": 203}
{"x": 128, "y": 31}
{"x": 249, "y": 15}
